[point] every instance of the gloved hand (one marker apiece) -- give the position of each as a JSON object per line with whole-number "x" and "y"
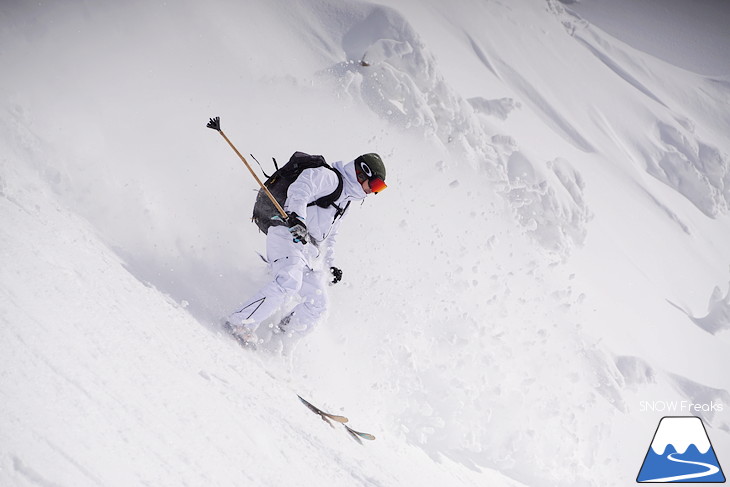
{"x": 336, "y": 274}
{"x": 297, "y": 228}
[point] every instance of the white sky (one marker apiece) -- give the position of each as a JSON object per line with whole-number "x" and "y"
{"x": 692, "y": 34}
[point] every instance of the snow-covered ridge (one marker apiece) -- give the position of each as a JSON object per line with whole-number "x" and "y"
{"x": 399, "y": 79}
{"x": 676, "y": 152}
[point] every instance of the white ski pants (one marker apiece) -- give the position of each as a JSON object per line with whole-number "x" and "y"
{"x": 293, "y": 267}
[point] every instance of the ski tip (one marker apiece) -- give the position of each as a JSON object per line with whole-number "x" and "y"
{"x": 316, "y": 410}
{"x": 360, "y": 434}
{"x": 309, "y": 405}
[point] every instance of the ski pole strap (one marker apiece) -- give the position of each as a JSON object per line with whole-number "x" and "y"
{"x": 260, "y": 166}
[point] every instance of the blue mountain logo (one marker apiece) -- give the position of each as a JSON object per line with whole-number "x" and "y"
{"x": 681, "y": 452}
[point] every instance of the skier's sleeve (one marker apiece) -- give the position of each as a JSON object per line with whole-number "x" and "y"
{"x": 329, "y": 249}
{"x": 309, "y": 186}
{"x": 329, "y": 243}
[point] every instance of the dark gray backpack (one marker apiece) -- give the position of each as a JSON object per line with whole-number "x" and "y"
{"x": 265, "y": 213}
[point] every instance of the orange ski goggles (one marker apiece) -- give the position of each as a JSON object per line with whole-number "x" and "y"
{"x": 377, "y": 185}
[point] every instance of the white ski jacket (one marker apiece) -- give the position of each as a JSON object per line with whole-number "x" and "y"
{"x": 323, "y": 223}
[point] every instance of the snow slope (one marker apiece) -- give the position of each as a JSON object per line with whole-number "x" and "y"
{"x": 108, "y": 382}
{"x": 551, "y": 251}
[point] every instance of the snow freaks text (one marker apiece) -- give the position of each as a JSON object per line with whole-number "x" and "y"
{"x": 680, "y": 407}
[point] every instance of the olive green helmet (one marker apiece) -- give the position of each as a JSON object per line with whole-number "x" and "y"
{"x": 370, "y": 167}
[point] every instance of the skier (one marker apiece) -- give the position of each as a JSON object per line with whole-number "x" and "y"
{"x": 296, "y": 247}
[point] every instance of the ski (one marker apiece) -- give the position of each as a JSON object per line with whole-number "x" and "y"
{"x": 359, "y": 434}
{"x": 326, "y": 417}
{"x": 248, "y": 345}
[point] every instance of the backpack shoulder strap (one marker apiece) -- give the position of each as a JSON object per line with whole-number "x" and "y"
{"x": 330, "y": 199}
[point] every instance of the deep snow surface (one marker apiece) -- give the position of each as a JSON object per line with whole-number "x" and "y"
{"x": 551, "y": 253}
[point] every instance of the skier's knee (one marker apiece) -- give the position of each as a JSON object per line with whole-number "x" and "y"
{"x": 317, "y": 304}
{"x": 289, "y": 281}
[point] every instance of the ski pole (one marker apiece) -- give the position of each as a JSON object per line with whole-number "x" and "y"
{"x": 215, "y": 124}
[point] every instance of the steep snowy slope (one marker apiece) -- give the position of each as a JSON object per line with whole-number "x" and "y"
{"x": 555, "y": 225}
{"x": 106, "y": 381}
